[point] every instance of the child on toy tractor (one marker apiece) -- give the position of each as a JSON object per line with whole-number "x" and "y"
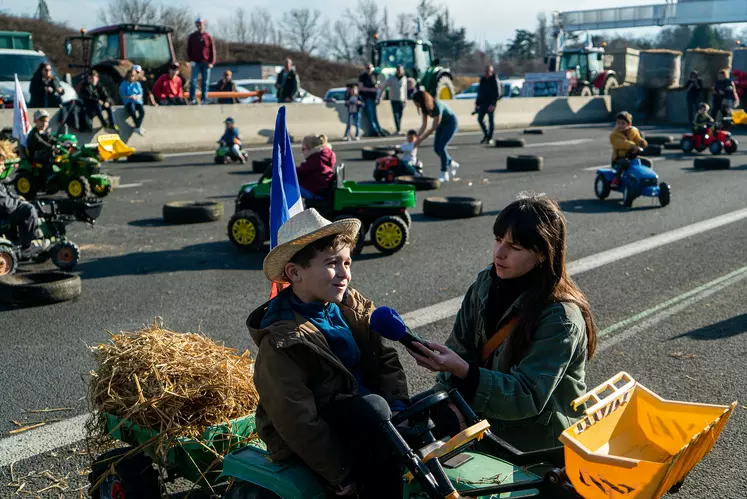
{"x": 703, "y": 122}
{"x": 230, "y": 139}
{"x": 23, "y": 215}
{"x": 390, "y": 167}
{"x": 625, "y": 138}
{"x": 315, "y": 174}
{"x": 327, "y": 384}
{"x": 410, "y": 154}
{"x": 40, "y": 143}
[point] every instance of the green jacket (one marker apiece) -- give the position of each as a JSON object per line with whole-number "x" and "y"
{"x": 529, "y": 404}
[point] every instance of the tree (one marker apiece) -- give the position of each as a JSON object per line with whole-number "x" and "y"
{"x": 129, "y": 11}
{"x": 405, "y": 25}
{"x": 366, "y": 22}
{"x": 447, "y": 41}
{"x": 341, "y": 45}
{"x": 42, "y": 11}
{"x": 261, "y": 26}
{"x": 675, "y": 38}
{"x": 704, "y": 36}
{"x": 426, "y": 10}
{"x": 303, "y": 29}
{"x": 542, "y": 35}
{"x": 523, "y": 46}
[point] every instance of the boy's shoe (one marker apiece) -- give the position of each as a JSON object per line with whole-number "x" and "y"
{"x": 357, "y": 138}
{"x": 35, "y": 247}
{"x": 454, "y": 165}
{"x": 140, "y": 131}
{"x": 346, "y": 138}
{"x": 444, "y": 177}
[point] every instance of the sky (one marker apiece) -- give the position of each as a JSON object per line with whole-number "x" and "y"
{"x": 494, "y": 21}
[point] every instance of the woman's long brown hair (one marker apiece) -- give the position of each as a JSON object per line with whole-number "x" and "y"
{"x": 423, "y": 101}
{"x": 537, "y": 223}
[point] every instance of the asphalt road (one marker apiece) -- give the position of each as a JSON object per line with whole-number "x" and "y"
{"x": 135, "y": 268}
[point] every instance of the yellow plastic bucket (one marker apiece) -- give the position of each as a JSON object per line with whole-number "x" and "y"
{"x": 634, "y": 444}
{"x": 112, "y": 147}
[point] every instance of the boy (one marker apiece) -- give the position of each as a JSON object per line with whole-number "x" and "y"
{"x": 624, "y": 139}
{"x": 231, "y": 139}
{"x": 96, "y": 100}
{"x": 326, "y": 382}
{"x": 703, "y": 121}
{"x": 40, "y": 142}
{"x": 410, "y": 154}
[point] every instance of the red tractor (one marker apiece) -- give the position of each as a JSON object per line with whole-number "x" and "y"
{"x": 713, "y": 136}
{"x": 590, "y": 77}
{"x": 112, "y": 50}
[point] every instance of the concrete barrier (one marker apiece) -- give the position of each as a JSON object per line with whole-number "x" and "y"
{"x": 197, "y": 128}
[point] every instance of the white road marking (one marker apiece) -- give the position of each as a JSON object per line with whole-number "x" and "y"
{"x": 129, "y": 186}
{"x": 560, "y": 143}
{"x": 66, "y": 432}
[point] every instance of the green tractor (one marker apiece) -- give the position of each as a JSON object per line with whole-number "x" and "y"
{"x": 416, "y": 57}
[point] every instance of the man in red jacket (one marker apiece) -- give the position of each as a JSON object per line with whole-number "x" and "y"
{"x": 201, "y": 56}
{"x": 168, "y": 88}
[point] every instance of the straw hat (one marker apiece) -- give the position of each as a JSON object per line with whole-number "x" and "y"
{"x": 298, "y": 232}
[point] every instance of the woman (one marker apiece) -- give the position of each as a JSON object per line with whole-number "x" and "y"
{"x": 44, "y": 88}
{"x": 521, "y": 340}
{"x": 315, "y": 174}
{"x": 444, "y": 124}
{"x": 724, "y": 95}
{"x": 131, "y": 92}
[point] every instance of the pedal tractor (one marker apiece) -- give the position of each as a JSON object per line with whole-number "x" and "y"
{"x": 75, "y": 171}
{"x": 224, "y": 154}
{"x": 639, "y": 179}
{"x": 382, "y": 209}
{"x": 390, "y": 167}
{"x": 54, "y": 217}
{"x": 715, "y": 137}
{"x": 613, "y": 451}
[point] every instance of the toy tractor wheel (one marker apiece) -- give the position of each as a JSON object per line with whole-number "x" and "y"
{"x": 220, "y": 160}
{"x": 716, "y": 147}
{"x": 445, "y": 88}
{"x": 665, "y": 194}
{"x": 78, "y": 188}
{"x": 389, "y": 234}
{"x": 407, "y": 218}
{"x": 732, "y": 147}
{"x": 25, "y": 185}
{"x": 628, "y": 196}
{"x": 601, "y": 187}
{"x": 66, "y": 255}
{"x": 246, "y": 230}
{"x": 687, "y": 145}
{"x": 102, "y": 190}
{"x": 133, "y": 476}
{"x": 8, "y": 261}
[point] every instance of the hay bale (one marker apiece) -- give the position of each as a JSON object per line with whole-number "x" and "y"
{"x": 173, "y": 383}
{"x": 707, "y": 62}
{"x": 659, "y": 68}
{"x": 624, "y": 62}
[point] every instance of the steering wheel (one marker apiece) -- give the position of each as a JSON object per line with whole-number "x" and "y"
{"x": 422, "y": 406}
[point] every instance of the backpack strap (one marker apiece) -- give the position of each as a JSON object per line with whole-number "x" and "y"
{"x": 497, "y": 339}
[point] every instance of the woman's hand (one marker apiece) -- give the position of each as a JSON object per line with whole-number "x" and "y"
{"x": 440, "y": 358}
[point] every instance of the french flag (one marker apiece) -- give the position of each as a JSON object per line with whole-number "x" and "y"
{"x": 285, "y": 194}
{"x": 21, "y": 121}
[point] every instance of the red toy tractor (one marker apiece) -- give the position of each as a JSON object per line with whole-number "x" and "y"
{"x": 714, "y": 137}
{"x": 390, "y": 167}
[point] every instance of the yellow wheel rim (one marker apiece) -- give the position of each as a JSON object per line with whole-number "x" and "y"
{"x": 75, "y": 188}
{"x": 445, "y": 93}
{"x": 23, "y": 185}
{"x": 389, "y": 235}
{"x": 243, "y": 232}
{"x": 6, "y": 263}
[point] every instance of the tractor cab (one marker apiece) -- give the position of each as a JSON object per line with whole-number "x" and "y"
{"x": 586, "y": 63}
{"x": 416, "y": 56}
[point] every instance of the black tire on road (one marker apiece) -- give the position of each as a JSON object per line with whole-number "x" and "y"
{"x": 133, "y": 476}
{"x": 372, "y": 153}
{"x": 673, "y": 146}
{"x": 145, "y": 157}
{"x": 659, "y": 140}
{"x": 712, "y": 163}
{"x": 39, "y": 288}
{"x": 420, "y": 183}
{"x": 260, "y": 165}
{"x": 509, "y": 142}
{"x": 452, "y": 207}
{"x": 665, "y": 194}
{"x": 533, "y": 131}
{"x": 652, "y": 150}
{"x": 8, "y": 261}
{"x": 628, "y": 196}
{"x": 186, "y": 212}
{"x": 247, "y": 231}
{"x": 524, "y": 163}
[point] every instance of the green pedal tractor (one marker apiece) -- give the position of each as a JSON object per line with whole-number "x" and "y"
{"x": 382, "y": 209}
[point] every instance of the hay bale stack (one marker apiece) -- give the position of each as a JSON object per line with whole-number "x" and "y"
{"x": 624, "y": 62}
{"x": 707, "y": 62}
{"x": 659, "y": 68}
{"x": 175, "y": 383}
{"x": 739, "y": 60}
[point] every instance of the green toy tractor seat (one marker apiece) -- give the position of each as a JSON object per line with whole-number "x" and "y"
{"x": 336, "y": 183}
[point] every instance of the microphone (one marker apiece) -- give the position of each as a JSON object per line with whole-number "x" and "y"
{"x": 388, "y": 323}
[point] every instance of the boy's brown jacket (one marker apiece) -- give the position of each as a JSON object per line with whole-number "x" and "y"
{"x": 622, "y": 142}
{"x": 297, "y": 376}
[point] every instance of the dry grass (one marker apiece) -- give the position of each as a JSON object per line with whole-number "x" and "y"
{"x": 661, "y": 51}
{"x": 709, "y": 51}
{"x": 172, "y": 383}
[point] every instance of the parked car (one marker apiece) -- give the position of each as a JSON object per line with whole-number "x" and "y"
{"x": 336, "y": 94}
{"x": 511, "y": 88}
{"x": 24, "y": 63}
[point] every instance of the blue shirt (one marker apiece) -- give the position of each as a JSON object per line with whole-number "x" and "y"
{"x": 229, "y": 135}
{"x": 130, "y": 89}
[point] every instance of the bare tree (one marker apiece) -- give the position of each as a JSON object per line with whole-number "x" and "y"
{"x": 542, "y": 35}
{"x": 179, "y": 19}
{"x": 129, "y": 11}
{"x": 303, "y": 28}
{"x": 261, "y": 26}
{"x": 385, "y": 33}
{"x": 42, "y": 11}
{"x": 341, "y": 44}
{"x": 426, "y": 10}
{"x": 367, "y": 22}
{"x": 236, "y": 28}
{"x": 405, "y": 25}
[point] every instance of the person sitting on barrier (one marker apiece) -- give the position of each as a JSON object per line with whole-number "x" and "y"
{"x": 625, "y": 138}
{"x": 230, "y": 138}
{"x": 703, "y": 121}
{"x": 522, "y": 337}
{"x": 315, "y": 174}
{"x": 409, "y": 151}
{"x": 40, "y": 143}
{"x": 323, "y": 377}
{"x": 96, "y": 100}
{"x": 22, "y": 214}
{"x": 168, "y": 89}
{"x": 131, "y": 92}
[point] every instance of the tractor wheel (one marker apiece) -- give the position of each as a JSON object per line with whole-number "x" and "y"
{"x": 102, "y": 190}
{"x": 716, "y": 147}
{"x": 219, "y": 160}
{"x": 8, "y": 261}
{"x": 585, "y": 92}
{"x": 245, "y": 490}
{"x": 732, "y": 148}
{"x": 601, "y": 187}
{"x": 609, "y": 84}
{"x": 65, "y": 256}
{"x": 133, "y": 476}
{"x": 628, "y": 196}
{"x": 407, "y": 218}
{"x": 665, "y": 193}
{"x": 389, "y": 234}
{"x": 78, "y": 188}
{"x": 246, "y": 230}
{"x": 111, "y": 86}
{"x": 445, "y": 88}
{"x": 687, "y": 145}
{"x": 26, "y": 185}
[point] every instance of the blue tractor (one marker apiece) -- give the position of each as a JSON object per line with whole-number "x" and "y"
{"x": 639, "y": 179}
